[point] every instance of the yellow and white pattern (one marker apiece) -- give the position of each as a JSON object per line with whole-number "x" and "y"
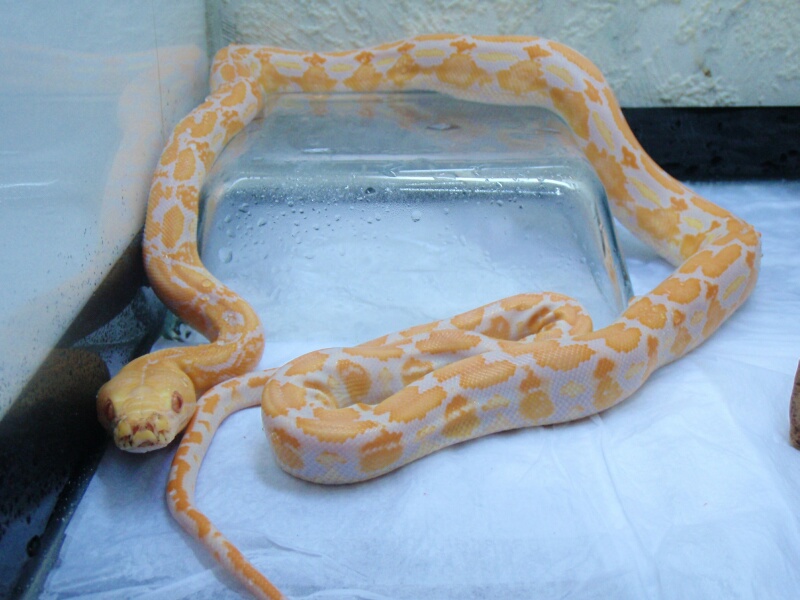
{"x": 350, "y": 414}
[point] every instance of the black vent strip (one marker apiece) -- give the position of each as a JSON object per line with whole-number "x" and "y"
{"x": 721, "y": 144}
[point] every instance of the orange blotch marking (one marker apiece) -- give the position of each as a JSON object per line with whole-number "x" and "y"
{"x": 461, "y": 418}
{"x": 536, "y": 406}
{"x": 591, "y": 91}
{"x": 409, "y": 404}
{"x": 715, "y": 316}
{"x": 738, "y": 231}
{"x": 172, "y": 229}
{"x": 461, "y": 71}
{"x": 531, "y": 381}
{"x": 682, "y": 340}
{"x": 234, "y": 95}
{"x": 193, "y": 437}
{"x": 678, "y": 318}
{"x": 355, "y": 377}
{"x": 158, "y": 194}
{"x": 477, "y": 373}
{"x": 678, "y": 203}
{"x": 170, "y": 153}
{"x": 380, "y": 453}
{"x": 280, "y": 399}
{"x": 175, "y": 489}
{"x": 499, "y": 328}
{"x": 608, "y": 393}
{"x": 628, "y": 158}
{"x": 210, "y": 404}
{"x": 414, "y": 369}
{"x": 520, "y": 302}
{"x": 652, "y": 352}
{"x": 366, "y": 78}
{"x": 660, "y": 223}
{"x": 691, "y": 244}
{"x": 185, "y": 166}
{"x": 382, "y": 353}
{"x": 678, "y": 291}
{"x": 463, "y": 46}
{"x": 571, "y": 105}
{"x": 604, "y": 367}
{"x": 335, "y": 425}
{"x": 418, "y": 329}
{"x": 203, "y": 127}
{"x": 250, "y": 573}
{"x": 447, "y": 341}
{"x": 227, "y": 72}
{"x": 271, "y": 79}
{"x": 315, "y": 79}
{"x": 610, "y": 173}
{"x": 551, "y": 354}
{"x": 468, "y": 320}
{"x": 580, "y": 322}
{"x": 513, "y": 348}
{"x": 200, "y": 520}
{"x": 330, "y": 459}
{"x": 189, "y": 197}
{"x": 523, "y": 77}
{"x": 617, "y": 337}
{"x": 404, "y": 70}
{"x": 308, "y": 363}
{"x": 714, "y": 265}
{"x": 205, "y": 154}
{"x": 286, "y": 448}
{"x": 648, "y": 314}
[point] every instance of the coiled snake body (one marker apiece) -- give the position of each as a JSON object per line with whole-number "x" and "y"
{"x": 344, "y": 415}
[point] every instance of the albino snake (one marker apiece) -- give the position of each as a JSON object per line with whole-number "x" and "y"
{"x": 344, "y": 415}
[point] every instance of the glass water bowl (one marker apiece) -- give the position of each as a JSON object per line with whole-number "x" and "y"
{"x": 343, "y": 217}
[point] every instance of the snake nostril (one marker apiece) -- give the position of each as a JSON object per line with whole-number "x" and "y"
{"x": 177, "y": 402}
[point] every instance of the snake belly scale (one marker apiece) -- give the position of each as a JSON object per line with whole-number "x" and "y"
{"x": 350, "y": 414}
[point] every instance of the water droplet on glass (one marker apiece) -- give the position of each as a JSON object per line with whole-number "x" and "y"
{"x": 225, "y": 255}
{"x": 442, "y": 126}
{"x": 416, "y": 215}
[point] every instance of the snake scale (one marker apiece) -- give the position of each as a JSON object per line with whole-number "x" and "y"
{"x": 350, "y": 414}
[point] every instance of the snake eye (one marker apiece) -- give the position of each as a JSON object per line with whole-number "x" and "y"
{"x": 177, "y": 402}
{"x": 108, "y": 411}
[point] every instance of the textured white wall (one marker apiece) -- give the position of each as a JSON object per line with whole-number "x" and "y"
{"x": 88, "y": 93}
{"x": 655, "y": 52}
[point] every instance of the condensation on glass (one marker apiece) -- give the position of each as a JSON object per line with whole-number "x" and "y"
{"x": 344, "y": 217}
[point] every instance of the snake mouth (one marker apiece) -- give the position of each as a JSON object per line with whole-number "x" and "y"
{"x": 143, "y": 434}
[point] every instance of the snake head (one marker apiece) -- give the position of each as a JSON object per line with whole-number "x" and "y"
{"x": 146, "y": 404}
